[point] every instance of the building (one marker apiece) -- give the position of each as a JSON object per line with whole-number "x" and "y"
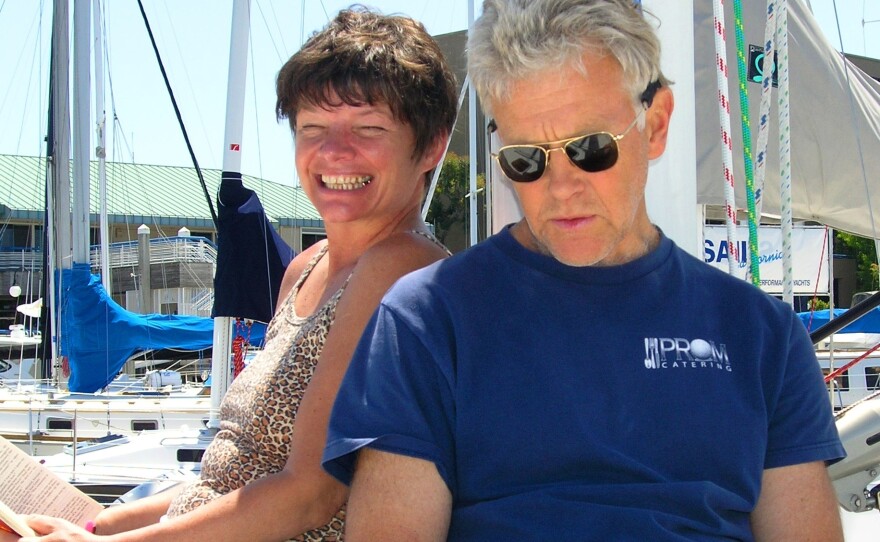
{"x": 168, "y": 200}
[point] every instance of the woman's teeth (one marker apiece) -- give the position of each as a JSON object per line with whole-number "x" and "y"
{"x": 345, "y": 182}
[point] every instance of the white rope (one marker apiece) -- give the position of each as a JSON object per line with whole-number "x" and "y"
{"x": 785, "y": 154}
{"x": 766, "y": 100}
{"x": 726, "y": 140}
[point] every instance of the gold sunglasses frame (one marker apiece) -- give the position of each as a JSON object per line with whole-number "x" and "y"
{"x": 561, "y": 144}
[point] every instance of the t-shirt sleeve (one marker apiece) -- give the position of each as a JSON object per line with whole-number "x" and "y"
{"x": 802, "y": 425}
{"x": 395, "y": 397}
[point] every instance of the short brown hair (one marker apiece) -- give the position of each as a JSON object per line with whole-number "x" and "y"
{"x": 365, "y": 58}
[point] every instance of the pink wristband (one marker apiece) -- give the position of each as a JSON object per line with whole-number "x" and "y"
{"x": 91, "y": 526}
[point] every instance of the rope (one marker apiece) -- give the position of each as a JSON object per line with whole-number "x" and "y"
{"x": 767, "y": 66}
{"x": 726, "y": 143}
{"x": 237, "y": 355}
{"x": 785, "y": 155}
{"x": 192, "y": 153}
{"x": 240, "y": 346}
{"x": 754, "y": 269}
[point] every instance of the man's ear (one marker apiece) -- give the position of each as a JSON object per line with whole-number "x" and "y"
{"x": 657, "y": 121}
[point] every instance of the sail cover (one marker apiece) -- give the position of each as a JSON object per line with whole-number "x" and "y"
{"x": 251, "y": 256}
{"x": 98, "y": 335}
{"x": 869, "y": 323}
{"x": 835, "y": 123}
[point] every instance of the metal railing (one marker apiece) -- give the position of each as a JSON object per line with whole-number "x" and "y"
{"x": 204, "y": 302}
{"x": 125, "y": 254}
{"x": 21, "y": 259}
{"x": 164, "y": 250}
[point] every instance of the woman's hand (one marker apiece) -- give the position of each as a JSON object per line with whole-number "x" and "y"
{"x": 56, "y": 530}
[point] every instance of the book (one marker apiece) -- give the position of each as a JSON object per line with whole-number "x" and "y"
{"x": 27, "y": 487}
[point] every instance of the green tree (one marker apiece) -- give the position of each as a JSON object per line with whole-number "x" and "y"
{"x": 864, "y": 252}
{"x": 449, "y": 208}
{"x": 817, "y": 304}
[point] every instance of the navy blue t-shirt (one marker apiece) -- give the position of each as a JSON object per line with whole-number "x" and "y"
{"x": 633, "y": 402}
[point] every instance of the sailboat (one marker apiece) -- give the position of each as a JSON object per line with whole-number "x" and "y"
{"x": 108, "y": 470}
{"x": 43, "y": 418}
{"x": 41, "y": 422}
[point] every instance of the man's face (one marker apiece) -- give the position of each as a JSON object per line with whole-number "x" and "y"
{"x": 577, "y": 217}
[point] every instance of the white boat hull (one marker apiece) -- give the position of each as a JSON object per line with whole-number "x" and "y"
{"x": 43, "y": 423}
{"x": 108, "y": 470}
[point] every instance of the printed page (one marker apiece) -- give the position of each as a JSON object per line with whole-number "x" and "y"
{"x": 27, "y": 487}
{"x": 10, "y": 521}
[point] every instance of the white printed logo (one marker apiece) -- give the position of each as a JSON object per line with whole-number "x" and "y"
{"x": 678, "y": 353}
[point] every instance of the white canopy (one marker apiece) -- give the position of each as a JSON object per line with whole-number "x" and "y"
{"x": 835, "y": 124}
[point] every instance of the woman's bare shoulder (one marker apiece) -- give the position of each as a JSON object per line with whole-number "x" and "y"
{"x": 397, "y": 255}
{"x": 296, "y": 267}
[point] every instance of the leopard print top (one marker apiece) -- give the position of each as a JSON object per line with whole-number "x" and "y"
{"x": 259, "y": 410}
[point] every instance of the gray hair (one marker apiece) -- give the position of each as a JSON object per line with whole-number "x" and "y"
{"x": 515, "y": 39}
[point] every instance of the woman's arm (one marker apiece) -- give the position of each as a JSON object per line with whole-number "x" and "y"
{"x": 301, "y": 496}
{"x": 125, "y": 517}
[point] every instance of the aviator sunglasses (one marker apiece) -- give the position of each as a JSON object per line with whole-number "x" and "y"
{"x": 591, "y": 152}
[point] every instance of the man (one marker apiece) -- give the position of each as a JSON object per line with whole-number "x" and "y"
{"x": 577, "y": 376}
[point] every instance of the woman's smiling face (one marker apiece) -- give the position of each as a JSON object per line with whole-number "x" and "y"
{"x": 357, "y": 161}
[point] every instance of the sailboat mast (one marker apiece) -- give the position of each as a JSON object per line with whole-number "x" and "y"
{"x": 58, "y": 182}
{"x": 472, "y": 147}
{"x": 81, "y": 124}
{"x": 101, "y": 149}
{"x": 221, "y": 359}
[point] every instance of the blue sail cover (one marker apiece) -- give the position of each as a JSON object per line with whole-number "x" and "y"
{"x": 98, "y": 335}
{"x": 869, "y": 323}
{"x": 251, "y": 256}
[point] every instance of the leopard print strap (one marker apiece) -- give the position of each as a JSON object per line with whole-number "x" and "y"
{"x": 430, "y": 237}
{"x": 290, "y": 311}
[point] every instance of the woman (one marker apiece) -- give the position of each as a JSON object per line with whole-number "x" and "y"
{"x": 371, "y": 103}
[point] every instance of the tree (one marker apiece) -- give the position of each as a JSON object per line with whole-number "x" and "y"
{"x": 865, "y": 253}
{"x": 449, "y": 208}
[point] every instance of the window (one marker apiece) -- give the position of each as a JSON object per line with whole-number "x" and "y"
{"x": 872, "y": 378}
{"x": 189, "y": 455}
{"x": 144, "y": 425}
{"x": 209, "y": 235}
{"x": 15, "y": 236}
{"x": 310, "y": 237}
{"x": 841, "y": 382}
{"x": 59, "y": 424}
{"x": 38, "y": 237}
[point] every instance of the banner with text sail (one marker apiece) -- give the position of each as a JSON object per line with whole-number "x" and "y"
{"x": 810, "y": 256}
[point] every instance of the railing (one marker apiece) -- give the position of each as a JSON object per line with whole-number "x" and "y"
{"x": 204, "y": 303}
{"x": 165, "y": 250}
{"x": 21, "y": 259}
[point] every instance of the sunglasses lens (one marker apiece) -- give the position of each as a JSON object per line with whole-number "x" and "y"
{"x": 592, "y": 153}
{"x": 522, "y": 164}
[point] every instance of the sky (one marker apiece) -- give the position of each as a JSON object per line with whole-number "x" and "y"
{"x": 193, "y": 38}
